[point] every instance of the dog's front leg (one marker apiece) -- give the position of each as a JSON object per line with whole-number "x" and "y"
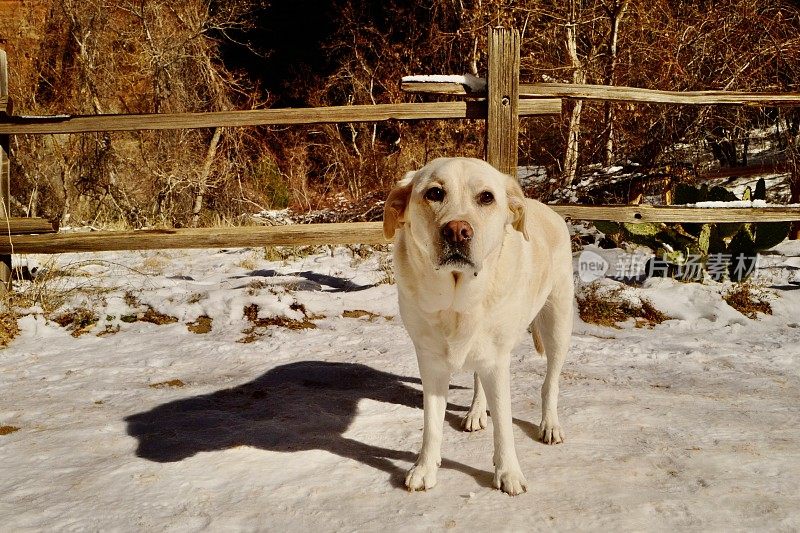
{"x": 496, "y": 381}
{"x": 435, "y": 382}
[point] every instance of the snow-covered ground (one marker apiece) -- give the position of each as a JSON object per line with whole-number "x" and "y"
{"x": 311, "y": 422}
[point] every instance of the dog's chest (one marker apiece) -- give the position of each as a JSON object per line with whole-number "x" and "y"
{"x": 463, "y": 340}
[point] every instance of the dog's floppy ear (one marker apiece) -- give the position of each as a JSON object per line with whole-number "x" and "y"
{"x": 395, "y": 207}
{"x": 516, "y": 206}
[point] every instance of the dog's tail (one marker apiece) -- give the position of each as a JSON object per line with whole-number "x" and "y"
{"x": 537, "y": 339}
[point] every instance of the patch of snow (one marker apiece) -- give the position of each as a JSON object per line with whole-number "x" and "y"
{"x": 314, "y": 428}
{"x": 275, "y": 217}
{"x": 734, "y": 203}
{"x": 531, "y": 175}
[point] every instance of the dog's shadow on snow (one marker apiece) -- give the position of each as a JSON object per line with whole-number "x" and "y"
{"x": 300, "y": 406}
{"x": 313, "y": 281}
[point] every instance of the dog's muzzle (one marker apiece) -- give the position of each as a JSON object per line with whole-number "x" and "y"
{"x": 456, "y": 238}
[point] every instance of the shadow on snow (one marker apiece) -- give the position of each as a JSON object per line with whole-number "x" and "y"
{"x": 300, "y": 406}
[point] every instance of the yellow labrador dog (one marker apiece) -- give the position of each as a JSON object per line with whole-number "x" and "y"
{"x": 477, "y": 264}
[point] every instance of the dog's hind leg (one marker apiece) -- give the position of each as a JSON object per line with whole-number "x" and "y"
{"x": 476, "y": 418}
{"x": 554, "y": 325}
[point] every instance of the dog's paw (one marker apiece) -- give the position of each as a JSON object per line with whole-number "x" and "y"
{"x": 421, "y": 477}
{"x": 475, "y": 420}
{"x": 551, "y": 433}
{"x": 510, "y": 481}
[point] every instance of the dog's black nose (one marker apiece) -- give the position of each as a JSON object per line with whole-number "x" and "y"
{"x": 457, "y": 231}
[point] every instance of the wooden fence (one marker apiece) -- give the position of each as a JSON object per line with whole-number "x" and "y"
{"x": 501, "y": 105}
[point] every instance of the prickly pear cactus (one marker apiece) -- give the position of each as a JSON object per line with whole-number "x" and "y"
{"x": 676, "y": 243}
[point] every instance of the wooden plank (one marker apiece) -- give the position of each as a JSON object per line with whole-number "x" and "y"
{"x": 26, "y": 226}
{"x": 259, "y": 117}
{"x": 544, "y": 106}
{"x": 294, "y": 235}
{"x": 5, "y": 178}
{"x": 652, "y": 96}
{"x": 623, "y": 94}
{"x": 649, "y": 213}
{"x": 502, "y": 126}
{"x": 440, "y": 87}
{"x": 350, "y": 233}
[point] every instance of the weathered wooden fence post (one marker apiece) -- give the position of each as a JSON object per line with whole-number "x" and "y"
{"x": 5, "y": 177}
{"x": 502, "y": 126}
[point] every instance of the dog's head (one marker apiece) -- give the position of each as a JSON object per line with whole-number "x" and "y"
{"x": 456, "y": 211}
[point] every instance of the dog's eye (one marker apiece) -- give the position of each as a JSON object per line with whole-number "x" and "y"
{"x": 434, "y": 194}
{"x": 486, "y": 198}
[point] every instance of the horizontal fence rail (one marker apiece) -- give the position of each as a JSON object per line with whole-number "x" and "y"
{"x": 650, "y": 213}
{"x": 62, "y": 124}
{"x": 157, "y": 239}
{"x": 350, "y": 233}
{"x": 22, "y": 225}
{"x": 615, "y": 93}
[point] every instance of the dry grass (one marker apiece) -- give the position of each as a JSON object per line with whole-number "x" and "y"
{"x": 131, "y": 300}
{"x": 50, "y": 289}
{"x": 286, "y": 253}
{"x": 173, "y": 383}
{"x": 259, "y": 325}
{"x": 742, "y": 297}
{"x": 359, "y": 313}
{"x": 255, "y": 286}
{"x": 8, "y": 430}
{"x": 649, "y": 314}
{"x": 386, "y": 268}
{"x": 251, "y": 313}
{"x": 154, "y": 264}
{"x": 154, "y": 317}
{"x": 202, "y": 325}
{"x": 9, "y": 328}
{"x": 249, "y": 263}
{"x": 608, "y": 308}
{"x": 78, "y": 321}
{"x": 56, "y": 288}
{"x": 197, "y": 297}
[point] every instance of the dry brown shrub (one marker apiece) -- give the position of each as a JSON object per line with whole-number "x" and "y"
{"x": 743, "y": 298}
{"x": 9, "y": 328}
{"x": 78, "y": 321}
{"x": 608, "y": 308}
{"x": 154, "y": 317}
{"x": 202, "y": 325}
{"x": 251, "y": 313}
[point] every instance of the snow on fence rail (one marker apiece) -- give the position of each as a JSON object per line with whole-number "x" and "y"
{"x": 500, "y": 103}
